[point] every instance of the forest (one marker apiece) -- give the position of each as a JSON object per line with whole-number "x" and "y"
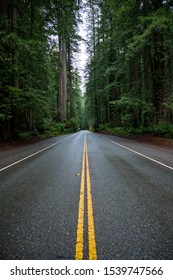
{"x": 128, "y": 75}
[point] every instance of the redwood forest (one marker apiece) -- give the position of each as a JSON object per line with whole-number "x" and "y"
{"x": 128, "y": 73}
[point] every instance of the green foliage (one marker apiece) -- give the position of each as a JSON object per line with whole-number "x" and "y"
{"x": 51, "y": 129}
{"x": 72, "y": 125}
{"x": 2, "y": 117}
{"x": 157, "y": 21}
{"x": 117, "y": 131}
{"x": 27, "y": 135}
{"x": 133, "y": 112}
{"x": 58, "y": 128}
{"x": 130, "y": 74}
{"x": 54, "y": 129}
{"x": 164, "y": 130}
{"x": 29, "y": 67}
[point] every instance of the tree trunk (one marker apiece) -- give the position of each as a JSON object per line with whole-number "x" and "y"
{"x": 158, "y": 84}
{"x": 70, "y": 86}
{"x": 14, "y": 79}
{"x": 158, "y": 67}
{"x": 63, "y": 79}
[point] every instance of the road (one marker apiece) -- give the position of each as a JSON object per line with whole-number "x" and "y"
{"x": 86, "y": 196}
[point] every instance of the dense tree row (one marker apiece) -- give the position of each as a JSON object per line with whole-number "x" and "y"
{"x": 38, "y": 83}
{"x": 130, "y": 70}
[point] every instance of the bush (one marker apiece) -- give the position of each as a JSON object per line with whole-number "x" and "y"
{"x": 26, "y": 135}
{"x": 164, "y": 130}
{"x": 128, "y": 120}
{"x": 119, "y": 131}
{"x": 72, "y": 125}
{"x": 54, "y": 129}
{"x": 104, "y": 126}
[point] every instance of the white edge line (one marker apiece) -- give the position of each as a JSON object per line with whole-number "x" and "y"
{"x": 38, "y": 152}
{"x": 133, "y": 151}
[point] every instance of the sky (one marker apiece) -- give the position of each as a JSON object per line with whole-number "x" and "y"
{"x": 82, "y": 56}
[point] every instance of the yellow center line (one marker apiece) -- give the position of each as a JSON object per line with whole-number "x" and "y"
{"x": 91, "y": 230}
{"x": 80, "y": 228}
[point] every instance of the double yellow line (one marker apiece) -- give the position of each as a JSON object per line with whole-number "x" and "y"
{"x": 85, "y": 178}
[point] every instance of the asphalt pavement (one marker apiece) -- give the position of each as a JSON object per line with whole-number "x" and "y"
{"x": 85, "y": 188}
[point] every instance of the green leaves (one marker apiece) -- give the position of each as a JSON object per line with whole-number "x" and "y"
{"x": 133, "y": 63}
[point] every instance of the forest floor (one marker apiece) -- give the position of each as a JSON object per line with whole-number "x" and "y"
{"x": 149, "y": 139}
{"x": 153, "y": 140}
{"x": 145, "y": 138}
{"x": 9, "y": 145}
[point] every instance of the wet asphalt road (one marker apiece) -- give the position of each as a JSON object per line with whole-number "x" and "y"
{"x": 132, "y": 199}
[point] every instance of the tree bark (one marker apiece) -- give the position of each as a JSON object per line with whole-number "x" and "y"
{"x": 158, "y": 86}
{"x": 70, "y": 86}
{"x": 14, "y": 79}
{"x": 63, "y": 79}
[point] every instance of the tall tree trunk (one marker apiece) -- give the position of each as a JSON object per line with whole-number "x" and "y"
{"x": 32, "y": 18}
{"x": 63, "y": 79}
{"x": 70, "y": 86}
{"x": 31, "y": 36}
{"x": 14, "y": 79}
{"x": 3, "y": 8}
{"x": 158, "y": 85}
{"x": 158, "y": 65}
{"x": 5, "y": 19}
{"x": 95, "y": 101}
{"x": 147, "y": 89}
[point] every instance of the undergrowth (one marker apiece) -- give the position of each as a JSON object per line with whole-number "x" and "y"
{"x": 51, "y": 130}
{"x": 162, "y": 130}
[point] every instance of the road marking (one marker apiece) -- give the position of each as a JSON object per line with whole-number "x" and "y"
{"x": 135, "y": 152}
{"x": 91, "y": 230}
{"x": 80, "y": 228}
{"x": 38, "y": 152}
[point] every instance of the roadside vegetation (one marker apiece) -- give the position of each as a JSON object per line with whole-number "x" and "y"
{"x": 51, "y": 130}
{"x": 163, "y": 131}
